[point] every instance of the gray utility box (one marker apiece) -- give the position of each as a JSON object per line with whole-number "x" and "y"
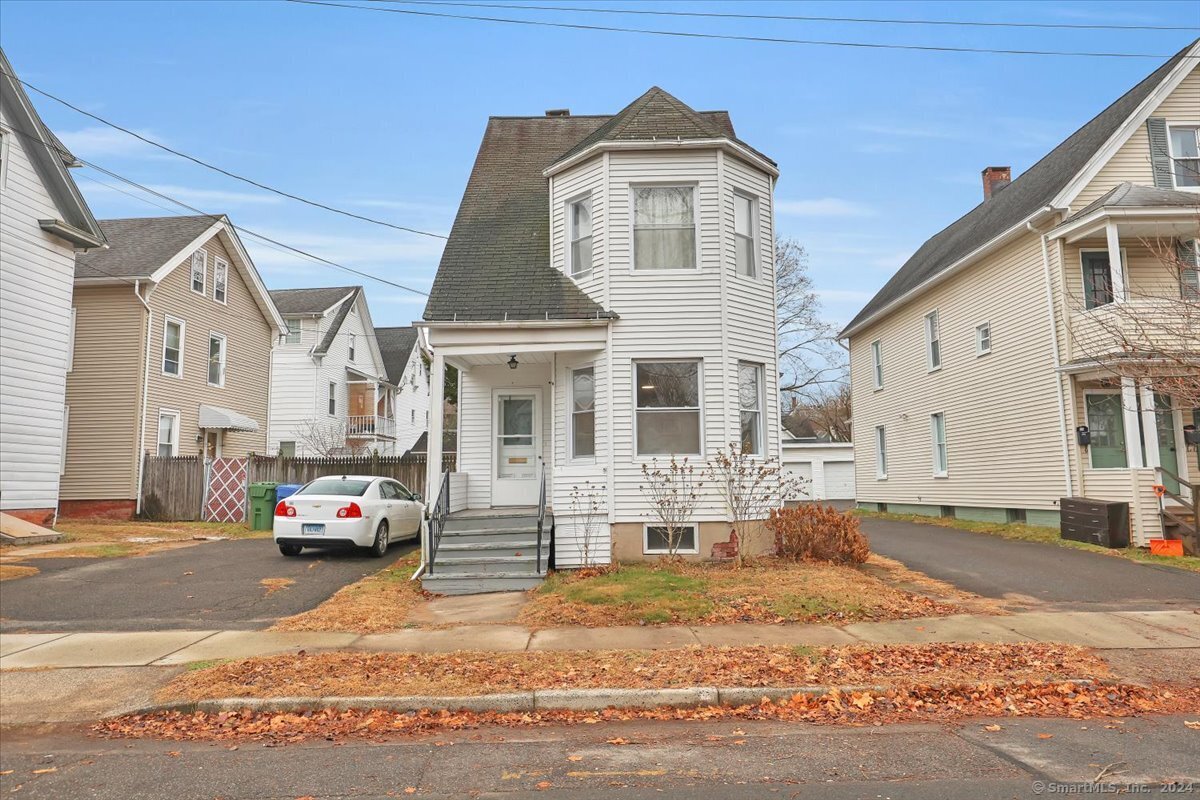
{"x": 1094, "y": 521}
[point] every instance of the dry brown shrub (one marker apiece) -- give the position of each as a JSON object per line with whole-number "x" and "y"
{"x": 814, "y": 532}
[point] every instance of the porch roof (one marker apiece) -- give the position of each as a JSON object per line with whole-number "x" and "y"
{"x": 1136, "y": 210}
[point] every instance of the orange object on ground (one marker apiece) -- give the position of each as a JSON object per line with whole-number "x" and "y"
{"x": 1166, "y": 547}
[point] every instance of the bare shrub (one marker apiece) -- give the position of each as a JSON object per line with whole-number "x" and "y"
{"x": 813, "y": 532}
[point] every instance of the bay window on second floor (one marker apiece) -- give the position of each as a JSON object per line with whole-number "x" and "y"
{"x": 664, "y": 227}
{"x": 745, "y": 221}
{"x": 579, "y": 236}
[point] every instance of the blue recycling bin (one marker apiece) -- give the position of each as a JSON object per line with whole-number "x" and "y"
{"x": 286, "y": 490}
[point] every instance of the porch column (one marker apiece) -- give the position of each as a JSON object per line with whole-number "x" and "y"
{"x": 1115, "y": 265}
{"x": 1129, "y": 410}
{"x": 433, "y": 456}
{"x": 1149, "y": 425}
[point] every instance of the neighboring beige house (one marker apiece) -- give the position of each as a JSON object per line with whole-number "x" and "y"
{"x": 172, "y": 356}
{"x": 44, "y": 220}
{"x": 976, "y": 363}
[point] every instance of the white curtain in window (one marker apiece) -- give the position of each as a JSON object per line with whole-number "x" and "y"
{"x": 664, "y": 227}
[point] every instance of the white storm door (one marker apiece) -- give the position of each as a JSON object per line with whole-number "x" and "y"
{"x": 515, "y": 463}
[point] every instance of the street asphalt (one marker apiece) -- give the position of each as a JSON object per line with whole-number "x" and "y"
{"x": 726, "y": 760}
{"x": 1034, "y": 573}
{"x": 211, "y": 585}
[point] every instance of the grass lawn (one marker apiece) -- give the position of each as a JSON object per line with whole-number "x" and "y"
{"x": 376, "y": 604}
{"x": 1036, "y": 533}
{"x": 768, "y": 591}
{"x": 104, "y": 538}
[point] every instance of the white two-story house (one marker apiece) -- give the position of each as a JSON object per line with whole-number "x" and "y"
{"x": 407, "y": 371}
{"x": 1034, "y": 349}
{"x": 330, "y": 391}
{"x": 607, "y": 295}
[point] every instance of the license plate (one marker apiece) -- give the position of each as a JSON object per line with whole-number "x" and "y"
{"x": 312, "y": 528}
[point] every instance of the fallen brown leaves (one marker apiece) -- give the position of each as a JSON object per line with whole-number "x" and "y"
{"x": 343, "y": 674}
{"x": 378, "y": 603}
{"x": 10, "y": 572}
{"x": 915, "y": 703}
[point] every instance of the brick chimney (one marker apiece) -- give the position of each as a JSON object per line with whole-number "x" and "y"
{"x": 558, "y": 112}
{"x": 995, "y": 179}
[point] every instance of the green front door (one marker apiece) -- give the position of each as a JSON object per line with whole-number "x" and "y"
{"x": 1107, "y": 422}
{"x": 1168, "y": 455}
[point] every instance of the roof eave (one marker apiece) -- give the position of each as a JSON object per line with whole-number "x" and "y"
{"x": 79, "y": 238}
{"x": 664, "y": 144}
{"x": 1075, "y": 229}
{"x": 518, "y": 323}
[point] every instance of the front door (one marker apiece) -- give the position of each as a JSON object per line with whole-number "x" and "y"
{"x": 515, "y": 463}
{"x": 212, "y": 444}
{"x": 1168, "y": 454}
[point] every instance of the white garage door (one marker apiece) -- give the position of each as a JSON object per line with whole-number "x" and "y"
{"x": 839, "y": 480}
{"x": 803, "y": 470}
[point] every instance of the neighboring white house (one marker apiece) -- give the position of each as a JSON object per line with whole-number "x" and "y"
{"x": 407, "y": 371}
{"x": 827, "y": 468}
{"x": 607, "y": 294}
{"x": 330, "y": 392}
{"x": 44, "y": 220}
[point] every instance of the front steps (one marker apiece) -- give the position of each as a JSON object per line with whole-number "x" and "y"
{"x": 492, "y": 553}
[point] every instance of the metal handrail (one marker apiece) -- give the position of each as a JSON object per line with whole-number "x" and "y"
{"x": 541, "y": 518}
{"x": 437, "y": 520}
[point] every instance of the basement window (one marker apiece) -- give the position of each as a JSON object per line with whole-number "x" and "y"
{"x": 657, "y": 541}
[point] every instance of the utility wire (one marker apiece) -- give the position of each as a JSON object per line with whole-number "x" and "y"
{"x": 223, "y": 171}
{"x": 796, "y": 17}
{"x": 729, "y": 36}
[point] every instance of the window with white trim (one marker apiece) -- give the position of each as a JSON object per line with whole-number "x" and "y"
{"x": 583, "y": 413}
{"x": 579, "y": 236}
{"x": 881, "y": 465}
{"x": 750, "y": 396}
{"x": 937, "y": 433}
{"x": 983, "y": 338}
{"x": 220, "y": 280}
{"x": 877, "y": 363}
{"x": 350, "y": 345}
{"x": 1097, "y": 278}
{"x": 745, "y": 216}
{"x": 656, "y": 540}
{"x": 667, "y": 403}
{"x": 664, "y": 227}
{"x": 168, "y": 434}
{"x": 199, "y": 271}
{"x": 172, "y": 358}
{"x": 332, "y": 399}
{"x": 216, "y": 359}
{"x": 293, "y": 333}
{"x": 1184, "y": 146}
{"x": 287, "y": 449}
{"x": 933, "y": 341}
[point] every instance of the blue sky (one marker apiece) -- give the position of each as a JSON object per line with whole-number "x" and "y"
{"x": 382, "y": 113}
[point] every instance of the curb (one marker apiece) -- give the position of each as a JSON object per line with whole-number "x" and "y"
{"x": 538, "y": 700}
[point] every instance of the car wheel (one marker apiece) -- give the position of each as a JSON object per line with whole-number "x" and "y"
{"x": 379, "y": 549}
{"x": 290, "y": 549}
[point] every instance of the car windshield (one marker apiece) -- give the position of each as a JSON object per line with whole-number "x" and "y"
{"x": 337, "y": 486}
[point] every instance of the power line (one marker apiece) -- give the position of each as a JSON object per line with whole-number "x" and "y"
{"x": 797, "y": 18}
{"x": 223, "y": 171}
{"x": 729, "y": 36}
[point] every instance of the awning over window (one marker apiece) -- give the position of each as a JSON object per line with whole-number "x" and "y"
{"x": 216, "y": 418}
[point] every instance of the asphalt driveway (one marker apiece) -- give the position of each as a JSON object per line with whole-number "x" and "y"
{"x": 215, "y": 585}
{"x": 1032, "y": 572}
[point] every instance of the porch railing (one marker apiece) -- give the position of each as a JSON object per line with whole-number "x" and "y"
{"x": 437, "y": 521}
{"x": 1188, "y": 529}
{"x": 541, "y": 518}
{"x": 370, "y": 425}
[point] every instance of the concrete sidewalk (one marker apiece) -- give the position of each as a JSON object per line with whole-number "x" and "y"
{"x": 1103, "y": 630}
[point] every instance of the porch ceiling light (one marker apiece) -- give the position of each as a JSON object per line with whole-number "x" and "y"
{"x": 512, "y": 362}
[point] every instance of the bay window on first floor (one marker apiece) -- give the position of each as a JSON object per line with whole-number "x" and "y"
{"x": 667, "y": 415}
{"x": 583, "y": 413}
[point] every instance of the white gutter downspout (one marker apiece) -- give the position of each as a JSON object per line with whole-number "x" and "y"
{"x": 141, "y": 454}
{"x": 1058, "y": 378}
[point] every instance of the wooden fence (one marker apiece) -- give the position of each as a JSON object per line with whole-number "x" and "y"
{"x": 173, "y": 488}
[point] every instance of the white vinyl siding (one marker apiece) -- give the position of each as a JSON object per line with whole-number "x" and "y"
{"x": 174, "y": 338}
{"x": 877, "y": 363}
{"x": 168, "y": 433}
{"x": 983, "y": 339}
{"x": 881, "y": 464}
{"x": 933, "y": 342}
{"x": 745, "y": 213}
{"x": 579, "y": 235}
{"x": 217, "y": 343}
{"x": 220, "y": 281}
{"x": 667, "y": 402}
{"x": 750, "y": 397}
{"x": 583, "y": 413}
{"x": 664, "y": 227}
{"x": 199, "y": 271}
{"x": 937, "y": 435}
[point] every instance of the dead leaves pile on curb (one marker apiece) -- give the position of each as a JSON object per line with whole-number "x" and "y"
{"x": 358, "y": 674}
{"x": 918, "y": 703}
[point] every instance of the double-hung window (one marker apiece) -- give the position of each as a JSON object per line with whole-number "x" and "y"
{"x": 664, "y": 227}
{"x": 199, "y": 271}
{"x": 1097, "y": 279}
{"x": 579, "y": 236}
{"x": 350, "y": 345}
{"x": 293, "y": 331}
{"x": 933, "y": 341}
{"x": 172, "y": 358}
{"x": 937, "y": 432}
{"x": 745, "y": 213}
{"x": 1185, "y": 156}
{"x": 877, "y": 363}
{"x": 216, "y": 359}
{"x": 332, "y": 399}
{"x": 880, "y": 452}
{"x": 220, "y": 280}
{"x": 168, "y": 434}
{"x": 983, "y": 338}
{"x": 667, "y": 395}
{"x": 583, "y": 413}
{"x": 750, "y": 405}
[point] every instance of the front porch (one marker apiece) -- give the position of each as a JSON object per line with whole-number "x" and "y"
{"x": 370, "y": 420}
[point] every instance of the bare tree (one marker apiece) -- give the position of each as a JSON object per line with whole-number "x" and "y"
{"x": 588, "y": 512}
{"x": 1154, "y": 336}
{"x": 752, "y": 487}
{"x": 328, "y": 438}
{"x": 674, "y": 493}
{"x": 809, "y": 355}
{"x": 825, "y": 411}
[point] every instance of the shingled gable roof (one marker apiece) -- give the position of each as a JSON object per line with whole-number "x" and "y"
{"x": 304, "y": 302}
{"x": 396, "y": 345}
{"x": 138, "y": 246}
{"x": 1018, "y": 201}
{"x": 496, "y": 264}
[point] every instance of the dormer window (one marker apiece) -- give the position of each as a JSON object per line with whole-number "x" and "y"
{"x": 744, "y": 213}
{"x": 579, "y": 236}
{"x": 664, "y": 227}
